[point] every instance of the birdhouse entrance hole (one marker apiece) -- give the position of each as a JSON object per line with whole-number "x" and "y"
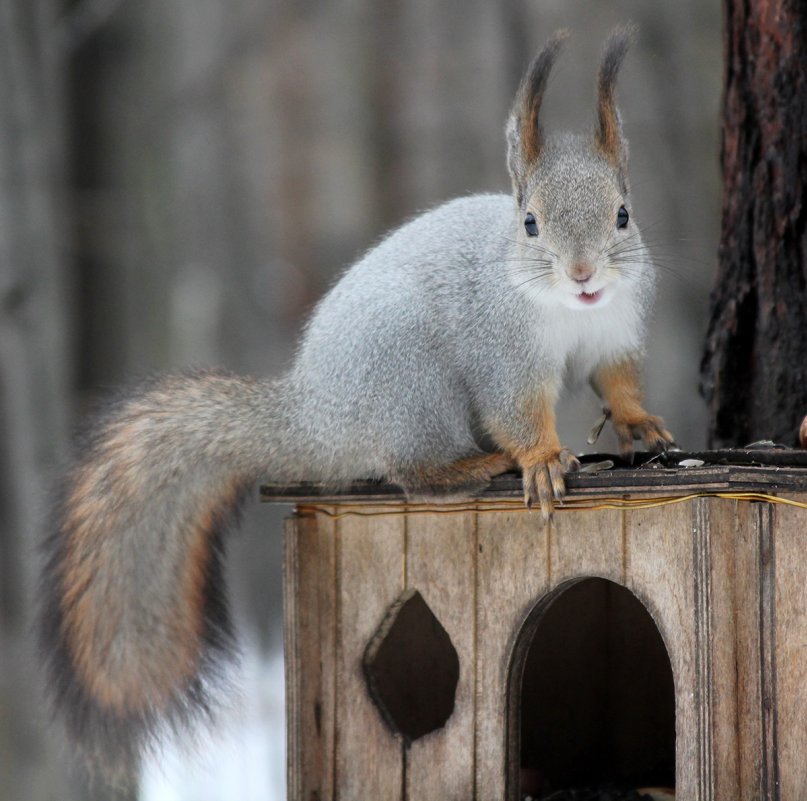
{"x": 592, "y": 695}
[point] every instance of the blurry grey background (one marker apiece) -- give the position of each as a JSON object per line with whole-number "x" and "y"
{"x": 180, "y": 180}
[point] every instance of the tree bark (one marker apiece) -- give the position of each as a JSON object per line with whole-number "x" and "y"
{"x": 754, "y": 370}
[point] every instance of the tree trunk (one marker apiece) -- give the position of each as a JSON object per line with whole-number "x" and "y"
{"x": 754, "y": 370}
{"x": 34, "y": 378}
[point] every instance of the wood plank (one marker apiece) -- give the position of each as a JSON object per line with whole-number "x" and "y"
{"x": 717, "y": 519}
{"x": 370, "y": 553}
{"x": 749, "y": 692}
{"x": 441, "y": 564}
{"x": 703, "y": 619}
{"x": 642, "y": 480}
{"x": 310, "y": 627}
{"x": 512, "y": 575}
{"x": 659, "y": 570}
{"x": 766, "y": 595}
{"x": 606, "y": 483}
{"x": 587, "y": 544}
{"x": 791, "y": 648}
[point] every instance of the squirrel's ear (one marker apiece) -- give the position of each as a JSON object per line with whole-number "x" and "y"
{"x": 608, "y": 133}
{"x": 525, "y": 137}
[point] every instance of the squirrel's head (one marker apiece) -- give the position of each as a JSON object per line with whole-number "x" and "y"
{"x": 577, "y": 240}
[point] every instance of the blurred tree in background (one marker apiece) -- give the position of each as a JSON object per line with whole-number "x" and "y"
{"x": 180, "y": 180}
{"x": 35, "y": 370}
{"x": 755, "y": 363}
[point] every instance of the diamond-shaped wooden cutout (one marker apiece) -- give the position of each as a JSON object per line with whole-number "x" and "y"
{"x": 412, "y": 668}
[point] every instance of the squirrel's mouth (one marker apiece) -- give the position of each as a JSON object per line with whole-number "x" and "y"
{"x": 590, "y": 298}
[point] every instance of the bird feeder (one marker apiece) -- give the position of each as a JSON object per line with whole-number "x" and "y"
{"x": 653, "y": 634}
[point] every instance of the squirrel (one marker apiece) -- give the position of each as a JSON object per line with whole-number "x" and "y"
{"x": 435, "y": 362}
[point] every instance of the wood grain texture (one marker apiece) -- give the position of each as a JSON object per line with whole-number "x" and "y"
{"x": 583, "y": 544}
{"x": 370, "y": 563}
{"x": 724, "y": 581}
{"x": 512, "y": 575}
{"x": 703, "y": 619}
{"x": 717, "y": 519}
{"x": 310, "y": 655}
{"x": 609, "y": 483}
{"x": 791, "y": 650}
{"x": 766, "y": 594}
{"x": 441, "y": 564}
{"x": 659, "y": 570}
{"x": 749, "y": 651}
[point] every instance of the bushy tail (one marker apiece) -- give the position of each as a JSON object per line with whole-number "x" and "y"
{"x": 134, "y": 622}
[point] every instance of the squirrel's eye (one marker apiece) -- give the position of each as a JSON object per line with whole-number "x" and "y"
{"x": 622, "y": 217}
{"x": 530, "y": 224}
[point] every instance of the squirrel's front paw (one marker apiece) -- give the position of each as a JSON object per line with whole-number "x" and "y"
{"x": 543, "y": 478}
{"x": 649, "y": 429}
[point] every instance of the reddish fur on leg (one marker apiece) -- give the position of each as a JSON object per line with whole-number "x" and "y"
{"x": 471, "y": 473}
{"x": 544, "y": 462}
{"x": 618, "y": 384}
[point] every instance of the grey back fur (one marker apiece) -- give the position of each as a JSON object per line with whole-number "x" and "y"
{"x": 432, "y": 338}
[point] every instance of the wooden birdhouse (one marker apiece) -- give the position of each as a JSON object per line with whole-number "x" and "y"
{"x": 654, "y": 634}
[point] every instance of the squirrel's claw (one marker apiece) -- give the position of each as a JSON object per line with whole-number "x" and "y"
{"x": 543, "y": 480}
{"x": 649, "y": 429}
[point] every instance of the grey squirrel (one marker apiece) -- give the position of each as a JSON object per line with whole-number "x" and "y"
{"x": 435, "y": 363}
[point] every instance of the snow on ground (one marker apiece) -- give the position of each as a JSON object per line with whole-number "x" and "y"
{"x": 244, "y": 759}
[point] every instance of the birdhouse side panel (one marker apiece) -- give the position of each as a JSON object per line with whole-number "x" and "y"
{"x": 441, "y": 552}
{"x": 753, "y": 666}
{"x": 309, "y": 601}
{"x": 512, "y": 573}
{"x": 370, "y": 575}
{"x": 790, "y": 546}
{"x": 660, "y": 570}
{"x": 716, "y": 523}
{"x": 587, "y": 544}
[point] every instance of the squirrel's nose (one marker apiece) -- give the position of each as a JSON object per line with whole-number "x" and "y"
{"x": 581, "y": 271}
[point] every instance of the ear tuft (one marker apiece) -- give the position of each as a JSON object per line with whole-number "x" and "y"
{"x": 525, "y": 138}
{"x": 608, "y": 135}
